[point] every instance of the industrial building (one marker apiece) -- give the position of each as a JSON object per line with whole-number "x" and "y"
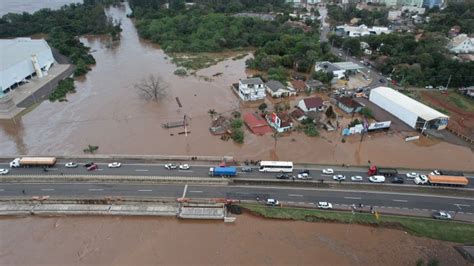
{"x": 410, "y": 111}
{"x": 21, "y": 59}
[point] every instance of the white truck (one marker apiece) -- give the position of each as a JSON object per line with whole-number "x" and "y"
{"x": 33, "y": 161}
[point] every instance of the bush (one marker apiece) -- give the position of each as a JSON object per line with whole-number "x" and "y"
{"x": 354, "y": 122}
{"x": 64, "y": 86}
{"x": 311, "y": 131}
{"x": 180, "y": 72}
{"x": 238, "y": 135}
{"x": 262, "y": 107}
{"x": 367, "y": 112}
{"x": 236, "y": 114}
{"x": 236, "y": 123}
{"x": 343, "y": 140}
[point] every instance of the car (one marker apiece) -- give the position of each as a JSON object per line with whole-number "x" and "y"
{"x": 339, "y": 177}
{"x": 412, "y": 175}
{"x": 3, "y": 171}
{"x": 328, "y": 171}
{"x": 340, "y": 54}
{"x": 429, "y": 87}
{"x": 377, "y": 179}
{"x": 70, "y": 165}
{"x": 304, "y": 176}
{"x": 272, "y": 202}
{"x": 397, "y": 180}
{"x": 170, "y": 166}
{"x": 184, "y": 166}
{"x": 283, "y": 176}
{"x": 246, "y": 169}
{"x": 442, "y": 215}
{"x": 421, "y": 180}
{"x": 115, "y": 165}
{"x": 435, "y": 172}
{"x": 305, "y": 171}
{"x": 381, "y": 80}
{"x": 92, "y": 167}
{"x": 357, "y": 178}
{"x": 324, "y": 205}
{"x": 88, "y": 164}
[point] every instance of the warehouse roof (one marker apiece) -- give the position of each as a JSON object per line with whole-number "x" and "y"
{"x": 348, "y": 65}
{"x": 425, "y": 112}
{"x": 16, "y": 50}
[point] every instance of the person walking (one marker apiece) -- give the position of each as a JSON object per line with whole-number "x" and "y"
{"x": 23, "y": 191}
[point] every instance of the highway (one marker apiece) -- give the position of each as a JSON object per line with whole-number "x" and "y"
{"x": 339, "y": 198}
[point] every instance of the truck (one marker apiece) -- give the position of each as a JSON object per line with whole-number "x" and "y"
{"x": 33, "y": 161}
{"x": 228, "y": 171}
{"x": 374, "y": 170}
{"x": 447, "y": 180}
{"x": 444, "y": 172}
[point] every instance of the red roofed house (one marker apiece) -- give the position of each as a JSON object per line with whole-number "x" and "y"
{"x": 311, "y": 104}
{"x": 299, "y": 85}
{"x": 281, "y": 122}
{"x": 298, "y": 114}
{"x": 257, "y": 124}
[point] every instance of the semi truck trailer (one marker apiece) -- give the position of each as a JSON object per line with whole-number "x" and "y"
{"x": 223, "y": 171}
{"x": 446, "y": 180}
{"x": 33, "y": 161}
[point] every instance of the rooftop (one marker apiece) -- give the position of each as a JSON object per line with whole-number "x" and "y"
{"x": 349, "y": 102}
{"x": 298, "y": 84}
{"x": 256, "y": 124}
{"x": 313, "y": 102}
{"x": 348, "y": 65}
{"x": 13, "y": 51}
{"x": 256, "y": 81}
{"x": 275, "y": 85}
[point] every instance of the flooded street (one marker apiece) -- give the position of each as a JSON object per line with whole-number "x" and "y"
{"x": 108, "y": 111}
{"x": 251, "y": 240}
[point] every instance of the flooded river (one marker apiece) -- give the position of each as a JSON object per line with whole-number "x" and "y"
{"x": 107, "y": 111}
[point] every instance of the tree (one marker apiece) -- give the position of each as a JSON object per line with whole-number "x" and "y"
{"x": 212, "y": 113}
{"x": 238, "y": 135}
{"x": 262, "y": 107}
{"x": 236, "y": 123}
{"x": 91, "y": 149}
{"x": 330, "y": 112}
{"x": 152, "y": 88}
{"x": 367, "y": 112}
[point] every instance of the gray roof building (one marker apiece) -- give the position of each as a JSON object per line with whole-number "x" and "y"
{"x": 256, "y": 81}
{"x": 275, "y": 85}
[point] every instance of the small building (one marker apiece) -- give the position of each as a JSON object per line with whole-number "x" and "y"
{"x": 328, "y": 67}
{"x": 348, "y": 105}
{"x": 281, "y": 122}
{"x": 251, "y": 89}
{"x": 394, "y": 15}
{"x": 461, "y": 44}
{"x": 410, "y": 111}
{"x": 298, "y": 114}
{"x": 256, "y": 124}
{"x": 277, "y": 90}
{"x": 362, "y": 30}
{"x": 315, "y": 85}
{"x": 311, "y": 104}
{"x": 454, "y": 31}
{"x": 299, "y": 85}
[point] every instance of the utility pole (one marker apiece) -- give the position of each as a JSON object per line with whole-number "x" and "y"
{"x": 449, "y": 80}
{"x": 185, "y": 127}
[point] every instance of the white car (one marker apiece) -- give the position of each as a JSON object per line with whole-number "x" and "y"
{"x": 412, "y": 175}
{"x": 303, "y": 176}
{"x": 272, "y": 202}
{"x": 435, "y": 172}
{"x": 184, "y": 166}
{"x": 71, "y": 165}
{"x": 3, "y": 171}
{"x": 339, "y": 177}
{"x": 377, "y": 179}
{"x": 115, "y": 165}
{"x": 324, "y": 205}
{"x": 328, "y": 171}
{"x": 421, "y": 180}
{"x": 170, "y": 166}
{"x": 357, "y": 178}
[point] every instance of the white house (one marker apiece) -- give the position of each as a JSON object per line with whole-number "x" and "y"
{"x": 276, "y": 89}
{"x": 329, "y": 67}
{"x": 461, "y": 44}
{"x": 251, "y": 89}
{"x": 362, "y": 30}
{"x": 311, "y": 104}
{"x": 281, "y": 122}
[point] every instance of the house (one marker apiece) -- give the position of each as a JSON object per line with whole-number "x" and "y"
{"x": 394, "y": 15}
{"x": 329, "y": 67}
{"x": 414, "y": 9}
{"x": 276, "y": 89}
{"x": 281, "y": 122}
{"x": 311, "y": 104}
{"x": 362, "y": 30}
{"x": 251, "y": 89}
{"x": 454, "y": 31}
{"x": 299, "y": 85}
{"x": 298, "y": 114}
{"x": 315, "y": 85}
{"x": 256, "y": 124}
{"x": 469, "y": 91}
{"x": 219, "y": 125}
{"x": 461, "y": 44}
{"x": 348, "y": 105}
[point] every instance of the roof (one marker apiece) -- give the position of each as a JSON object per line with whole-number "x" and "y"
{"x": 328, "y": 66}
{"x": 256, "y": 124}
{"x": 275, "y": 85}
{"x": 297, "y": 113}
{"x": 314, "y": 83}
{"x": 348, "y": 65}
{"x": 425, "y": 112}
{"x": 285, "y": 119}
{"x": 298, "y": 84}
{"x": 349, "y": 102}
{"x": 313, "y": 102}
{"x": 458, "y": 40}
{"x": 16, "y": 50}
{"x": 257, "y": 81}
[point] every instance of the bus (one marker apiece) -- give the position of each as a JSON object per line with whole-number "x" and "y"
{"x": 276, "y": 166}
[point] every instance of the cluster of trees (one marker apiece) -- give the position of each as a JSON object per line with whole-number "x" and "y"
{"x": 455, "y": 14}
{"x": 339, "y": 15}
{"x": 63, "y": 26}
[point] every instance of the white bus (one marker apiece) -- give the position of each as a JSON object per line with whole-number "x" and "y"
{"x": 276, "y": 166}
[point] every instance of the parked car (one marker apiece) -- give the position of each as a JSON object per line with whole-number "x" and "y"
{"x": 381, "y": 80}
{"x": 3, "y": 171}
{"x": 283, "y": 176}
{"x": 397, "y": 180}
{"x": 170, "y": 166}
{"x": 429, "y": 87}
{"x": 246, "y": 169}
{"x": 88, "y": 164}
{"x": 272, "y": 202}
{"x": 357, "y": 178}
{"x": 92, "y": 167}
{"x": 377, "y": 179}
{"x": 442, "y": 215}
{"x": 412, "y": 175}
{"x": 184, "y": 166}
{"x": 339, "y": 177}
{"x": 305, "y": 171}
{"x": 324, "y": 205}
{"x": 115, "y": 165}
{"x": 328, "y": 171}
{"x": 435, "y": 172}
{"x": 71, "y": 165}
{"x": 421, "y": 180}
{"x": 304, "y": 176}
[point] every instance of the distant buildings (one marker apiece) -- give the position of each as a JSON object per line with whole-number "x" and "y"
{"x": 432, "y": 3}
{"x": 362, "y": 30}
{"x": 461, "y": 44}
{"x": 251, "y": 89}
{"x": 21, "y": 59}
{"x": 416, "y": 3}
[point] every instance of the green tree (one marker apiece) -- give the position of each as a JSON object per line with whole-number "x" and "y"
{"x": 236, "y": 123}
{"x": 367, "y": 112}
{"x": 212, "y": 113}
{"x": 238, "y": 135}
{"x": 262, "y": 107}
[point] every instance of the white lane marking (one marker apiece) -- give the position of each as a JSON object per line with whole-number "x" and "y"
{"x": 47, "y": 189}
{"x": 52, "y": 169}
{"x": 185, "y": 189}
{"x": 141, "y": 170}
{"x": 1, "y": 189}
{"x": 462, "y": 205}
{"x": 145, "y": 190}
{"x": 195, "y": 191}
{"x": 400, "y": 200}
{"x": 352, "y": 198}
{"x": 244, "y": 193}
{"x": 99, "y": 169}
{"x": 295, "y": 195}
{"x": 96, "y": 189}
{"x": 186, "y": 171}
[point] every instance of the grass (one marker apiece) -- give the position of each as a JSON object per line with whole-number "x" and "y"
{"x": 442, "y": 230}
{"x": 196, "y": 61}
{"x": 461, "y": 101}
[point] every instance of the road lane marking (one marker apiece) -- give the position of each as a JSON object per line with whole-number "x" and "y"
{"x": 244, "y": 193}
{"x": 186, "y": 171}
{"x": 1, "y": 189}
{"x": 96, "y": 189}
{"x": 462, "y": 205}
{"x": 184, "y": 192}
{"x": 141, "y": 170}
{"x": 47, "y": 189}
{"x": 295, "y": 195}
{"x": 145, "y": 190}
{"x": 400, "y": 200}
{"x": 52, "y": 169}
{"x": 352, "y": 198}
{"x": 195, "y": 191}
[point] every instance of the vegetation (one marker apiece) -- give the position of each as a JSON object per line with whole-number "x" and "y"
{"x": 64, "y": 87}
{"x": 262, "y": 107}
{"x": 354, "y": 122}
{"x": 238, "y": 135}
{"x": 339, "y": 15}
{"x": 152, "y": 88}
{"x": 236, "y": 123}
{"x": 278, "y": 73}
{"x": 455, "y": 14}
{"x": 212, "y": 113}
{"x": 323, "y": 77}
{"x": 91, "y": 149}
{"x": 180, "y": 72}
{"x": 367, "y": 112}
{"x": 310, "y": 128}
{"x": 441, "y": 230}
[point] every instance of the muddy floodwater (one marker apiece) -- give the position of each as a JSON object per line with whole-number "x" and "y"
{"x": 108, "y": 112}
{"x": 168, "y": 241}
{"x": 30, "y": 6}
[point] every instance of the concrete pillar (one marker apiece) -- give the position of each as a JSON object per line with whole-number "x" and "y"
{"x": 36, "y": 65}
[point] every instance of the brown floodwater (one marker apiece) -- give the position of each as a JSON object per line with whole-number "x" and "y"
{"x": 89, "y": 240}
{"x": 108, "y": 112}
{"x": 30, "y": 6}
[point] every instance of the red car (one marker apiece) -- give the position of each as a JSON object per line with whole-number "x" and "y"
{"x": 92, "y": 167}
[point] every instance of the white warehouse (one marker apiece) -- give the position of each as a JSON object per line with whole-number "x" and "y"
{"x": 22, "y": 58}
{"x": 410, "y": 111}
